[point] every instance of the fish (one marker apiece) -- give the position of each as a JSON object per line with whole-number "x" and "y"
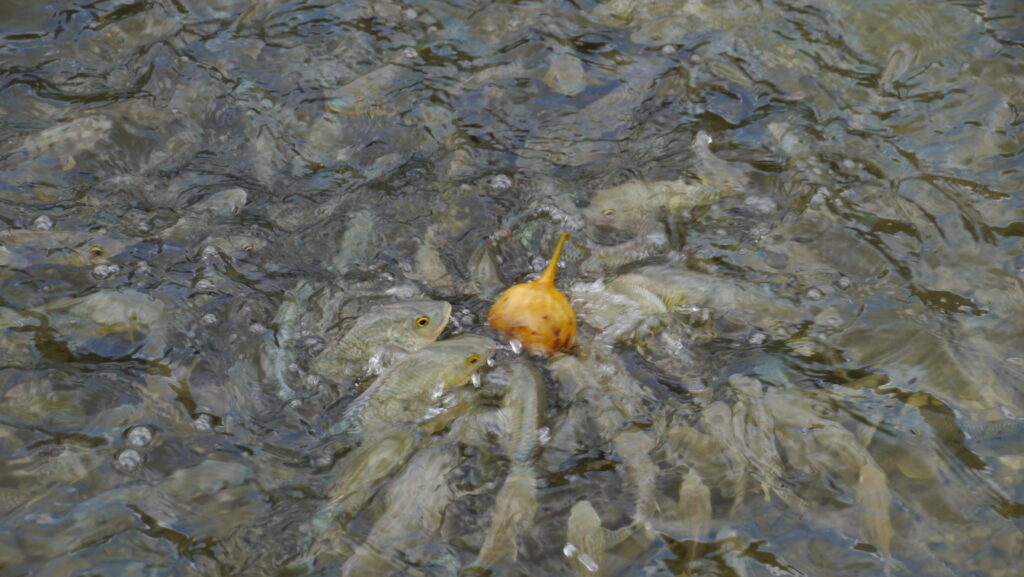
{"x": 364, "y": 471}
{"x": 68, "y": 138}
{"x": 358, "y": 242}
{"x": 565, "y": 73}
{"x": 110, "y": 324}
{"x": 406, "y": 326}
{"x": 586, "y": 540}
{"x": 637, "y": 206}
{"x": 386, "y": 416}
{"x": 24, "y": 248}
{"x": 874, "y": 498}
{"x": 639, "y": 470}
{"x": 414, "y": 507}
{"x": 406, "y": 392}
{"x": 516, "y": 503}
{"x": 278, "y": 346}
{"x": 753, "y": 428}
{"x": 372, "y": 94}
{"x": 587, "y": 543}
{"x": 614, "y": 401}
{"x": 694, "y": 512}
{"x": 207, "y": 213}
{"x": 514, "y": 511}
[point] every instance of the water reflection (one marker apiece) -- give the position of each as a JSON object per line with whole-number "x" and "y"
{"x": 795, "y": 258}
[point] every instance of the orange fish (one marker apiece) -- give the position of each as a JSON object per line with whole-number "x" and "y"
{"x": 535, "y": 313}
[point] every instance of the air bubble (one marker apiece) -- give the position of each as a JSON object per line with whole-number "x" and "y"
{"x": 375, "y": 365}
{"x": 543, "y": 435}
{"x": 140, "y": 436}
{"x": 208, "y": 319}
{"x": 757, "y": 338}
{"x": 500, "y": 182}
{"x": 42, "y": 222}
{"x": 588, "y": 562}
{"x": 815, "y": 294}
{"x": 475, "y": 379}
{"x": 203, "y": 423}
{"x": 516, "y": 345}
{"x": 105, "y": 271}
{"x": 843, "y": 282}
{"x": 129, "y": 460}
{"x": 761, "y": 204}
{"x": 205, "y": 284}
{"x": 437, "y": 392}
{"x": 410, "y": 53}
{"x": 569, "y": 550}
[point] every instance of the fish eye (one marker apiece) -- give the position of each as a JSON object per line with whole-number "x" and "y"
{"x": 473, "y": 359}
{"x": 96, "y": 250}
{"x": 608, "y": 211}
{"x": 422, "y": 321}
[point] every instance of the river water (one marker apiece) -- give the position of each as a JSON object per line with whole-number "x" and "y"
{"x": 814, "y": 369}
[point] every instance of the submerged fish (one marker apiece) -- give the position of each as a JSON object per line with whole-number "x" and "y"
{"x": 516, "y": 503}
{"x": 614, "y": 403}
{"x": 358, "y": 243}
{"x": 587, "y": 543}
{"x": 874, "y": 497}
{"x": 636, "y": 207}
{"x": 364, "y": 471}
{"x": 586, "y": 540}
{"x": 110, "y": 324}
{"x": 278, "y": 346}
{"x": 414, "y": 508}
{"x": 24, "y": 248}
{"x": 207, "y": 213}
{"x": 406, "y": 326}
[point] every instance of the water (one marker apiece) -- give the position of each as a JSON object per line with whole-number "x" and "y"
{"x": 816, "y": 373}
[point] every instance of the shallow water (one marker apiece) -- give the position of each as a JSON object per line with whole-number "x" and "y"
{"x": 817, "y": 372}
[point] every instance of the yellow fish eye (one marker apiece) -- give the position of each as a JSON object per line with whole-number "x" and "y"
{"x": 96, "y": 250}
{"x": 473, "y": 359}
{"x": 422, "y": 321}
{"x": 608, "y": 211}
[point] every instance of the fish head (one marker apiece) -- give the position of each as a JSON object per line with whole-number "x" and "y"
{"x": 615, "y": 215}
{"x": 222, "y": 203}
{"x": 458, "y": 358}
{"x": 411, "y": 324}
{"x": 96, "y": 250}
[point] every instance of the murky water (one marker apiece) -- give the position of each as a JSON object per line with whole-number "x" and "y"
{"x": 796, "y": 258}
